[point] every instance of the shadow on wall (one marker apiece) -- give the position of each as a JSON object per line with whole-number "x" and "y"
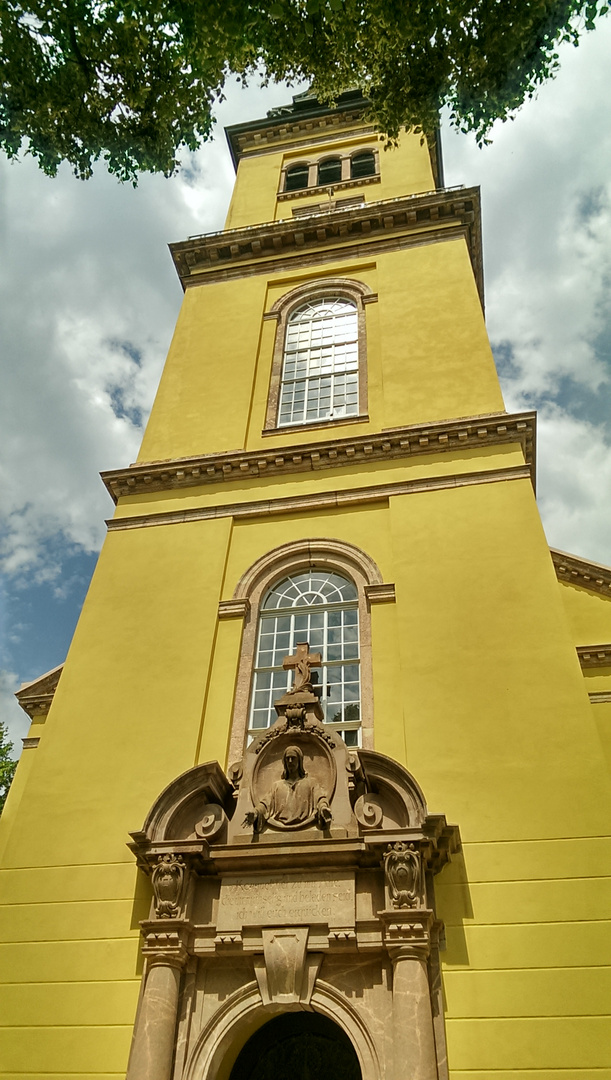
{"x": 454, "y": 906}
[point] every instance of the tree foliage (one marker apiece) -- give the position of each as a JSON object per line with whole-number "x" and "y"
{"x": 7, "y": 765}
{"x": 130, "y": 81}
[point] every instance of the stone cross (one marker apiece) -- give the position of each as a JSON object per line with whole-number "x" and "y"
{"x": 301, "y": 663}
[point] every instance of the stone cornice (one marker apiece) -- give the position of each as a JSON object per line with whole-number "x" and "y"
{"x": 493, "y": 429}
{"x": 35, "y": 697}
{"x": 320, "y": 501}
{"x": 294, "y": 127}
{"x": 373, "y": 226}
{"x": 594, "y": 656}
{"x": 573, "y": 570}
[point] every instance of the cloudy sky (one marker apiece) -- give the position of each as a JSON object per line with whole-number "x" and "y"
{"x": 90, "y": 297}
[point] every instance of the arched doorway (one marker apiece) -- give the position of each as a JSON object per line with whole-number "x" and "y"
{"x": 298, "y": 1046}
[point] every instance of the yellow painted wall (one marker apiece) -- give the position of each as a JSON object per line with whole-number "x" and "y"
{"x": 428, "y": 356}
{"x": 404, "y": 170}
{"x": 589, "y": 614}
{"x": 477, "y": 689}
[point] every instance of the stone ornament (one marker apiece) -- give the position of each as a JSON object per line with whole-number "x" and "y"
{"x": 213, "y": 821}
{"x": 168, "y": 878}
{"x": 294, "y": 801}
{"x": 302, "y": 663}
{"x": 403, "y": 874}
{"x": 369, "y": 811}
{"x": 286, "y": 973}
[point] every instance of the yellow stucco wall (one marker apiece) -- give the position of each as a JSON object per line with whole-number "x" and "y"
{"x": 589, "y": 614}
{"x": 476, "y": 687}
{"x": 404, "y": 170}
{"x": 428, "y": 356}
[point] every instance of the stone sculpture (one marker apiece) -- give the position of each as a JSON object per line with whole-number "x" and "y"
{"x": 168, "y": 878}
{"x": 403, "y": 875}
{"x": 295, "y": 800}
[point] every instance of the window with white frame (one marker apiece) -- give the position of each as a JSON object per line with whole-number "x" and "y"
{"x": 320, "y": 378}
{"x": 320, "y": 607}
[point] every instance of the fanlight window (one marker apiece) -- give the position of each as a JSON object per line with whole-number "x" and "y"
{"x": 320, "y": 370}
{"x": 362, "y": 164}
{"x": 330, "y": 171}
{"x": 296, "y": 177}
{"x": 319, "y": 607}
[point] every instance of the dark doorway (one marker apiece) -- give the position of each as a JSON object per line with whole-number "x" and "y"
{"x": 298, "y": 1046}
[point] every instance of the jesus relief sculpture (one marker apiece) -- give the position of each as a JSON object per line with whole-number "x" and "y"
{"x": 294, "y": 800}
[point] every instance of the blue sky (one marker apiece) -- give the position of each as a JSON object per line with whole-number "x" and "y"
{"x": 90, "y": 297}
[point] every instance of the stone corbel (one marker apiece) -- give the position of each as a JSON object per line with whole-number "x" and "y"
{"x": 286, "y": 973}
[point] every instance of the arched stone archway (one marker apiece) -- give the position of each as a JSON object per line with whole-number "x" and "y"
{"x": 301, "y": 1045}
{"x": 242, "y": 1016}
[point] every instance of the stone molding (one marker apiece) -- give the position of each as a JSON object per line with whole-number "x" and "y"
{"x": 594, "y": 656}
{"x": 600, "y": 697}
{"x": 329, "y": 500}
{"x": 289, "y": 131}
{"x": 322, "y": 189}
{"x": 320, "y": 551}
{"x": 574, "y": 570}
{"x": 234, "y": 609}
{"x": 489, "y": 429}
{"x": 384, "y": 593}
{"x": 265, "y": 248}
{"x": 36, "y": 697}
{"x": 31, "y": 743}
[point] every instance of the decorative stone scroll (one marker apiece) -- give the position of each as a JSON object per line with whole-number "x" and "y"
{"x": 403, "y": 875}
{"x": 168, "y": 879}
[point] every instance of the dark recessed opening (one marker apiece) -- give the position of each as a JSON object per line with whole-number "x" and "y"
{"x": 298, "y": 1046}
{"x": 296, "y": 177}
{"x": 330, "y": 171}
{"x": 363, "y": 164}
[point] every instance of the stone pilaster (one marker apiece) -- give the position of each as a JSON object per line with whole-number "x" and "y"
{"x": 154, "y": 1039}
{"x": 407, "y": 937}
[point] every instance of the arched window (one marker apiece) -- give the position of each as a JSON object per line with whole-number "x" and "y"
{"x": 296, "y": 177}
{"x": 362, "y": 164}
{"x": 330, "y": 171}
{"x": 320, "y": 607}
{"x": 320, "y": 376}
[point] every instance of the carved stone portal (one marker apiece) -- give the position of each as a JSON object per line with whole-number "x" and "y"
{"x": 302, "y": 881}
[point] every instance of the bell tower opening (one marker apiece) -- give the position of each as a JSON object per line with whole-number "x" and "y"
{"x": 297, "y": 1046}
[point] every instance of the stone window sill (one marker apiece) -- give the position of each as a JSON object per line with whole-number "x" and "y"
{"x": 342, "y": 421}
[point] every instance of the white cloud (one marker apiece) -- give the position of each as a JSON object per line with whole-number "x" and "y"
{"x": 546, "y": 193}
{"x": 11, "y": 713}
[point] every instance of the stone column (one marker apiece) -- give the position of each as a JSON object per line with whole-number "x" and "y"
{"x": 413, "y": 1037}
{"x": 153, "y": 1042}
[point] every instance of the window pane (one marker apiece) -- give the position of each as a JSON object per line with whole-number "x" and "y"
{"x": 330, "y": 171}
{"x": 321, "y": 349}
{"x": 296, "y": 177}
{"x": 363, "y": 164}
{"x": 320, "y": 608}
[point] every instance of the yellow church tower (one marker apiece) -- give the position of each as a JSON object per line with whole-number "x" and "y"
{"x": 323, "y": 785}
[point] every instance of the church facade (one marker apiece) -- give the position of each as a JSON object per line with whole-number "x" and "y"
{"x": 324, "y": 783}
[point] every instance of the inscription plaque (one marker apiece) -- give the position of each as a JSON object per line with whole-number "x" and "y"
{"x": 286, "y": 900}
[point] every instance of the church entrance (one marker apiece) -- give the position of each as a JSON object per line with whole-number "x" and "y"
{"x": 298, "y": 1046}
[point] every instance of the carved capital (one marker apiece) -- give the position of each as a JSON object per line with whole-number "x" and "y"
{"x": 408, "y": 935}
{"x": 169, "y": 947}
